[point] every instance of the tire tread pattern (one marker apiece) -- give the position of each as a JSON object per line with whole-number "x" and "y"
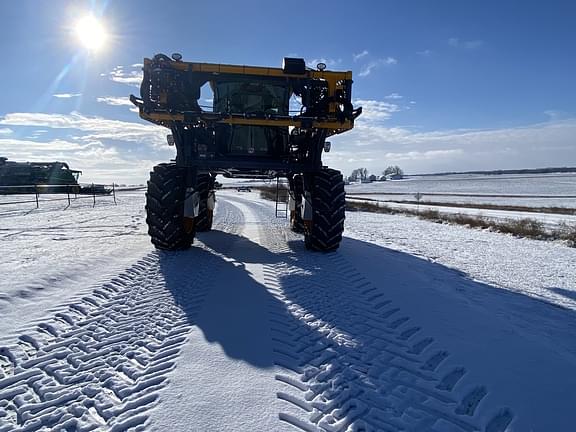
{"x": 328, "y": 207}
{"x": 165, "y": 208}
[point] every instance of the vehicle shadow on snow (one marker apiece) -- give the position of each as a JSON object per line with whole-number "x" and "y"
{"x": 564, "y": 292}
{"x": 227, "y": 304}
{"x": 552, "y": 323}
{"x": 235, "y": 309}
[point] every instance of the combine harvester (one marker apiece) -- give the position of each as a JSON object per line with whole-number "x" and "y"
{"x": 248, "y": 133}
{"x": 43, "y": 177}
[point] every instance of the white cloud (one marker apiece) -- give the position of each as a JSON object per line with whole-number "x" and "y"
{"x": 360, "y": 55}
{"x": 394, "y": 96}
{"x": 470, "y": 44}
{"x": 537, "y": 145}
{"x": 554, "y": 115}
{"x": 370, "y": 66}
{"x": 8, "y": 146}
{"x": 98, "y": 162}
{"x": 66, "y": 95}
{"x": 425, "y": 53}
{"x": 424, "y": 155}
{"x": 95, "y": 148}
{"x": 329, "y": 62}
{"x": 115, "y": 101}
{"x": 99, "y": 128}
{"x": 132, "y": 77}
{"x": 98, "y": 147}
{"x": 367, "y": 69}
{"x": 374, "y": 111}
{"x": 37, "y": 133}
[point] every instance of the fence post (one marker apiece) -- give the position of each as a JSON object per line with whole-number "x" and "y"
{"x": 114, "y": 192}
{"x": 94, "y": 195}
{"x": 418, "y": 197}
{"x": 36, "y": 192}
{"x": 68, "y": 193}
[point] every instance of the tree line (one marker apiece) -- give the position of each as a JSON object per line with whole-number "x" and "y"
{"x": 360, "y": 174}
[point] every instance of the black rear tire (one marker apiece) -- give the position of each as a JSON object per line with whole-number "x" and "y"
{"x": 324, "y": 232}
{"x": 167, "y": 227}
{"x": 205, "y": 216}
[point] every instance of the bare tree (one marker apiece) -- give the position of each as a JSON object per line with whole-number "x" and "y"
{"x": 359, "y": 174}
{"x": 393, "y": 170}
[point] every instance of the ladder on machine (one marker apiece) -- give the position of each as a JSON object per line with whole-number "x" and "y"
{"x": 281, "y": 200}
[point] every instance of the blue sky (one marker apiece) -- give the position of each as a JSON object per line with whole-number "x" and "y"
{"x": 446, "y": 85}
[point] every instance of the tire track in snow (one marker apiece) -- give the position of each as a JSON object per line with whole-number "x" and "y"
{"x": 351, "y": 361}
{"x": 100, "y": 363}
{"x": 348, "y": 359}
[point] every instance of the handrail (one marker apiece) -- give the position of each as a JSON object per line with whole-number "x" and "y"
{"x": 72, "y": 192}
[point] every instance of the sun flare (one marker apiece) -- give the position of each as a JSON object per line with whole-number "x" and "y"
{"x": 91, "y": 33}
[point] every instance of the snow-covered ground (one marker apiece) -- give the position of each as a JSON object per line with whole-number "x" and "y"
{"x": 410, "y": 326}
{"x": 566, "y": 201}
{"x": 542, "y": 190}
{"x": 535, "y": 184}
{"x": 50, "y": 254}
{"x": 550, "y": 220}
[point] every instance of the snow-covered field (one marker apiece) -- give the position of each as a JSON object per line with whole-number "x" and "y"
{"x": 549, "y": 220}
{"x": 410, "y": 326}
{"x": 535, "y": 184}
{"x": 542, "y": 190}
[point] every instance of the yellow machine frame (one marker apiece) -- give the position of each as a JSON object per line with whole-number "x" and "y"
{"x": 335, "y": 82}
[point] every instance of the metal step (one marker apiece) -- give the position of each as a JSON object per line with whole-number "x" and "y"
{"x": 281, "y": 201}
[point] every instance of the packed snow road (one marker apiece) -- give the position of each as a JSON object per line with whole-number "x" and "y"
{"x": 248, "y": 331}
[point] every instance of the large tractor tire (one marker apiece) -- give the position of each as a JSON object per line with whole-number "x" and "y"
{"x": 167, "y": 226}
{"x": 328, "y": 199}
{"x": 296, "y": 222}
{"x": 205, "y": 216}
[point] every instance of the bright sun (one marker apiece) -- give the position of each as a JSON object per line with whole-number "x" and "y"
{"x": 91, "y": 33}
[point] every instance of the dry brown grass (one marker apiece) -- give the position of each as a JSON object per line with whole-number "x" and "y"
{"x": 528, "y": 228}
{"x": 551, "y": 209}
{"x": 368, "y": 206}
{"x": 269, "y": 192}
{"x": 567, "y": 233}
{"x": 523, "y": 228}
